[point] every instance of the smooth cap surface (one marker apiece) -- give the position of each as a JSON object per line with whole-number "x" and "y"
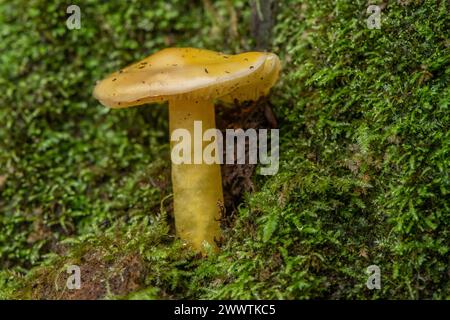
{"x": 188, "y": 73}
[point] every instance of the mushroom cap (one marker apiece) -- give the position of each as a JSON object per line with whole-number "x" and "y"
{"x": 190, "y": 74}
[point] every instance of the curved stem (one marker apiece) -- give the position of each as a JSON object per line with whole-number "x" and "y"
{"x": 197, "y": 186}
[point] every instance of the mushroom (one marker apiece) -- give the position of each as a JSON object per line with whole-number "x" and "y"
{"x": 191, "y": 80}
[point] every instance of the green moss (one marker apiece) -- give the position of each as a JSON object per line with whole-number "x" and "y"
{"x": 363, "y": 177}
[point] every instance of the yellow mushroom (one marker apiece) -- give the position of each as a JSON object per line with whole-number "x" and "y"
{"x": 191, "y": 80}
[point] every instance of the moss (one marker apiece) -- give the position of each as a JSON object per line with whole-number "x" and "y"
{"x": 128, "y": 261}
{"x": 363, "y": 117}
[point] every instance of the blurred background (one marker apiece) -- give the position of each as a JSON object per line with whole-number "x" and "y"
{"x": 363, "y": 180}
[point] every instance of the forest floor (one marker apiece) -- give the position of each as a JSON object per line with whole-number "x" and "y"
{"x": 364, "y": 155}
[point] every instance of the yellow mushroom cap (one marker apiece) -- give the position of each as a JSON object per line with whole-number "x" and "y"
{"x": 188, "y": 73}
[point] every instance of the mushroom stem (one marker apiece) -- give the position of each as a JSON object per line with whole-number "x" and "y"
{"x": 197, "y": 187}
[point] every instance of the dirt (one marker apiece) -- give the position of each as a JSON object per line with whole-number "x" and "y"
{"x": 237, "y": 178}
{"x": 98, "y": 278}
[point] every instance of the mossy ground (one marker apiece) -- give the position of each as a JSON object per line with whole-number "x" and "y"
{"x": 363, "y": 117}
